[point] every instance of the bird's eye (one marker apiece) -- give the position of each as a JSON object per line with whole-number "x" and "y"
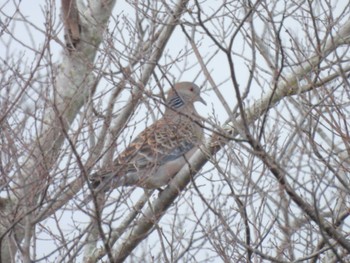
{"x": 191, "y": 89}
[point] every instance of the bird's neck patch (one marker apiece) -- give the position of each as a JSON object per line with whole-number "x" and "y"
{"x": 176, "y": 102}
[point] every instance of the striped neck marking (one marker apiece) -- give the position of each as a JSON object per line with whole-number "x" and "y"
{"x": 176, "y": 102}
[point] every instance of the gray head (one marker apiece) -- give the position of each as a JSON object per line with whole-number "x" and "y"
{"x": 183, "y": 94}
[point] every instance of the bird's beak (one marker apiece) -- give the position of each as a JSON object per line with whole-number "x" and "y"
{"x": 200, "y": 99}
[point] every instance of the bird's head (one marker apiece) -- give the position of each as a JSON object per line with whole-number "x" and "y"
{"x": 184, "y": 94}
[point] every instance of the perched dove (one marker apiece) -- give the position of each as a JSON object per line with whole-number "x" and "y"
{"x": 162, "y": 149}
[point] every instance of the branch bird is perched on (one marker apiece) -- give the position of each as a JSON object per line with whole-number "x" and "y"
{"x": 162, "y": 149}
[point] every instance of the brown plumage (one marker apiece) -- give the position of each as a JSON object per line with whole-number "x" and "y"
{"x": 161, "y": 150}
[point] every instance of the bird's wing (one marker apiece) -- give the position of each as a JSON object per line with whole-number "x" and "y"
{"x": 159, "y": 143}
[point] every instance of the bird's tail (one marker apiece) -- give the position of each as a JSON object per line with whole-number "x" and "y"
{"x": 100, "y": 183}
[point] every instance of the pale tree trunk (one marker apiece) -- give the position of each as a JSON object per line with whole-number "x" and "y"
{"x": 73, "y": 86}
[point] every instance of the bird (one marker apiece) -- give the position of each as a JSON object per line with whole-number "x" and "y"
{"x": 154, "y": 157}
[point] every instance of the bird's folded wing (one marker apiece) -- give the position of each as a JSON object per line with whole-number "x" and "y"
{"x": 156, "y": 145}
